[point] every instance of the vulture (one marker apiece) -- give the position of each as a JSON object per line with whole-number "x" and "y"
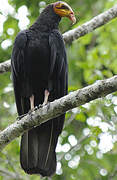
{"x": 40, "y": 75}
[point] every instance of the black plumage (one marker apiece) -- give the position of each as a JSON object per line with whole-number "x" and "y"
{"x": 39, "y": 63}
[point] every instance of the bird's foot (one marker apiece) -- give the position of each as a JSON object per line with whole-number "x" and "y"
{"x": 48, "y": 105}
{"x": 40, "y": 106}
{"x": 32, "y": 110}
{"x": 35, "y": 108}
{"x": 44, "y": 104}
{"x": 29, "y": 112}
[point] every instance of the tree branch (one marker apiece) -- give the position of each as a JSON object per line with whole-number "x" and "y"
{"x": 99, "y": 89}
{"x": 91, "y": 25}
{"x": 5, "y": 66}
{"x": 76, "y": 33}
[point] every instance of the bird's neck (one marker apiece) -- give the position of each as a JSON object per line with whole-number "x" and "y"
{"x": 47, "y": 21}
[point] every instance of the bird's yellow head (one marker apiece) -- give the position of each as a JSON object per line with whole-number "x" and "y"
{"x": 64, "y": 10}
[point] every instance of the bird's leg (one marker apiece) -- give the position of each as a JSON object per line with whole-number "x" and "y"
{"x": 32, "y": 107}
{"x": 46, "y": 95}
{"x": 32, "y": 102}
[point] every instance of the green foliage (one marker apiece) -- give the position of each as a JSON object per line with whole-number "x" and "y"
{"x": 88, "y": 143}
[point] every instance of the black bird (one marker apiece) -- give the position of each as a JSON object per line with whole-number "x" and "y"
{"x": 39, "y": 73}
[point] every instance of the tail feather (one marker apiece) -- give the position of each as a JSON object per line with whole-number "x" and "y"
{"x": 37, "y": 152}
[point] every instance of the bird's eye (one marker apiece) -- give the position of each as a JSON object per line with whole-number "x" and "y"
{"x": 64, "y": 7}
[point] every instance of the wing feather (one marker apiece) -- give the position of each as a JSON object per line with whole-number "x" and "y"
{"x": 17, "y": 68}
{"x": 58, "y": 63}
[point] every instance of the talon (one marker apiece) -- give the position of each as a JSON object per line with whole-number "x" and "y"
{"x": 40, "y": 106}
{"x": 48, "y": 105}
{"x": 44, "y": 104}
{"x": 31, "y": 111}
{"x": 36, "y": 107}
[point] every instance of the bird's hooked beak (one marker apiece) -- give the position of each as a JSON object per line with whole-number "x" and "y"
{"x": 64, "y": 10}
{"x": 72, "y": 17}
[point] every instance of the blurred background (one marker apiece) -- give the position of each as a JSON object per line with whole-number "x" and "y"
{"x": 87, "y": 147}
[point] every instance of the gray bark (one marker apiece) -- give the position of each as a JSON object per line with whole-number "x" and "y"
{"x": 99, "y": 89}
{"x": 5, "y": 66}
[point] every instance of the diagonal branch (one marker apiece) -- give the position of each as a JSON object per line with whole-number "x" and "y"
{"x": 82, "y": 30}
{"x": 99, "y": 89}
{"x": 91, "y": 25}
